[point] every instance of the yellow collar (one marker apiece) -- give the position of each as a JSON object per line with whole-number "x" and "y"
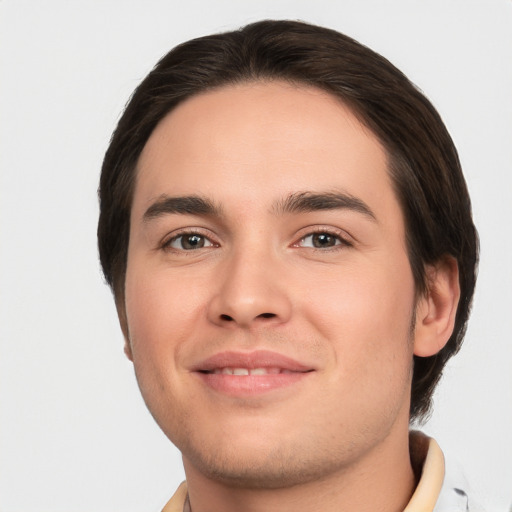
{"x": 426, "y": 455}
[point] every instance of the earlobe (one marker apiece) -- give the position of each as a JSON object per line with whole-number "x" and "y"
{"x": 121, "y": 314}
{"x": 436, "y": 309}
{"x": 128, "y": 349}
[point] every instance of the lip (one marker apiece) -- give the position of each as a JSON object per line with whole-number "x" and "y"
{"x": 290, "y": 372}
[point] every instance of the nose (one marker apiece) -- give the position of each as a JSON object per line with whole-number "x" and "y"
{"x": 251, "y": 293}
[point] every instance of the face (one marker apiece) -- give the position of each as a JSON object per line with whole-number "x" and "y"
{"x": 269, "y": 295}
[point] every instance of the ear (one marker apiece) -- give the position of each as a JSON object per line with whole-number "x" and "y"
{"x": 436, "y": 309}
{"x": 123, "y": 322}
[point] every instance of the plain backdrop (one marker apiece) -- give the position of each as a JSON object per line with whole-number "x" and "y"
{"x": 74, "y": 433}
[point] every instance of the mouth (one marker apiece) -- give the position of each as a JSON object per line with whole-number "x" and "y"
{"x": 248, "y": 371}
{"x": 246, "y": 374}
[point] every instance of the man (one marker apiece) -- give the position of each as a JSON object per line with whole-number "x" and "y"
{"x": 288, "y": 236}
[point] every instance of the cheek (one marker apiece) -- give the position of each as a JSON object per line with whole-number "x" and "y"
{"x": 162, "y": 313}
{"x": 367, "y": 317}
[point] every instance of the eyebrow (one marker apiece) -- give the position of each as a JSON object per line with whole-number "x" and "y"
{"x": 302, "y": 202}
{"x": 184, "y": 205}
{"x": 299, "y": 202}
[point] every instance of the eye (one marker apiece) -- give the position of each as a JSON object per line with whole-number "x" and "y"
{"x": 322, "y": 240}
{"x": 188, "y": 242}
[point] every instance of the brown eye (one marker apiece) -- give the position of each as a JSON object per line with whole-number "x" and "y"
{"x": 321, "y": 240}
{"x": 189, "y": 242}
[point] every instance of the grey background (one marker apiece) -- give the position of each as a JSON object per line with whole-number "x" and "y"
{"x": 74, "y": 433}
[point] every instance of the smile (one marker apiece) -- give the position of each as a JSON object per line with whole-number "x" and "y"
{"x": 249, "y": 374}
{"x": 249, "y": 371}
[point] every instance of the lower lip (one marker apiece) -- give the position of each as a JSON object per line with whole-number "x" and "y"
{"x": 249, "y": 385}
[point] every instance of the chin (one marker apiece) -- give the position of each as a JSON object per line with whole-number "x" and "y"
{"x": 248, "y": 475}
{"x": 258, "y": 469}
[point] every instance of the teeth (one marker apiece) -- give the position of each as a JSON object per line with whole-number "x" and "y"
{"x": 247, "y": 371}
{"x": 259, "y": 371}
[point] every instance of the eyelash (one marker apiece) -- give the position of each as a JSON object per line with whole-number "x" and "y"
{"x": 167, "y": 243}
{"x": 341, "y": 240}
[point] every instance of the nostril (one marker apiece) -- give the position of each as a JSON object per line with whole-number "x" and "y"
{"x": 227, "y": 318}
{"x": 267, "y": 315}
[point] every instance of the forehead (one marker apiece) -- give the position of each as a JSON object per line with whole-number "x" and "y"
{"x": 257, "y": 141}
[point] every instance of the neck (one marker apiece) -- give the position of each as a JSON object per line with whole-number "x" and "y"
{"x": 381, "y": 480}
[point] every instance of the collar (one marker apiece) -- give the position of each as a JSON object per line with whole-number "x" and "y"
{"x": 427, "y": 461}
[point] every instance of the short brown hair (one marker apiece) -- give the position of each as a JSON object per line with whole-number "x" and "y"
{"x": 424, "y": 164}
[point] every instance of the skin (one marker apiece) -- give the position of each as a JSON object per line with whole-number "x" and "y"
{"x": 338, "y": 435}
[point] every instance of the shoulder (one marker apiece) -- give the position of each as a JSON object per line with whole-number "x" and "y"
{"x": 456, "y": 494}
